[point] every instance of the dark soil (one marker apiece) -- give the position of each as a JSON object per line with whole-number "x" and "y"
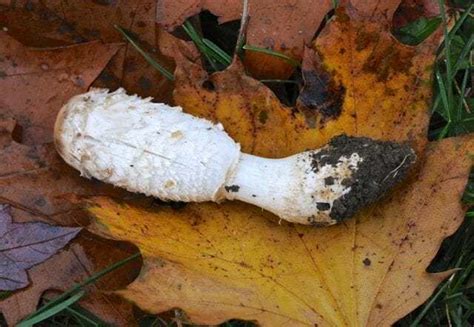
{"x": 384, "y": 165}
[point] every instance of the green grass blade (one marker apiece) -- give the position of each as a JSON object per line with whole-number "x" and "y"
{"x": 465, "y": 51}
{"x": 81, "y": 285}
{"x": 280, "y": 55}
{"x": 52, "y": 310}
{"x": 84, "y": 317}
{"x": 219, "y": 54}
{"x": 461, "y": 20}
{"x": 462, "y": 93}
{"x": 428, "y": 305}
{"x": 166, "y": 73}
{"x": 196, "y": 38}
{"x": 417, "y": 31}
{"x": 444, "y": 95}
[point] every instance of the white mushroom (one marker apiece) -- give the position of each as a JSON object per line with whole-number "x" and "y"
{"x": 160, "y": 151}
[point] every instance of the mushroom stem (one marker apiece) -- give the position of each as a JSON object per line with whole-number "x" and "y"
{"x": 160, "y": 151}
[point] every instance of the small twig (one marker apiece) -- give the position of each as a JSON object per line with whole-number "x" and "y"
{"x": 145, "y": 55}
{"x": 243, "y": 27}
{"x": 177, "y": 318}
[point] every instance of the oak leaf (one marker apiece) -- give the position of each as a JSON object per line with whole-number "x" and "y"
{"x": 23, "y": 246}
{"x": 232, "y": 260}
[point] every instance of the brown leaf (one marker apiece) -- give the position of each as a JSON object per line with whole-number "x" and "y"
{"x": 284, "y": 26}
{"x": 23, "y": 246}
{"x": 38, "y": 184}
{"x": 46, "y": 23}
{"x": 72, "y": 266}
{"x": 38, "y": 82}
{"x": 33, "y": 179}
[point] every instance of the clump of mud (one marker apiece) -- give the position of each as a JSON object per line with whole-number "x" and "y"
{"x": 384, "y": 165}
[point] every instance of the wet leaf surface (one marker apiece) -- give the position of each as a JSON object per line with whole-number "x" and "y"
{"x": 52, "y": 22}
{"x": 59, "y": 74}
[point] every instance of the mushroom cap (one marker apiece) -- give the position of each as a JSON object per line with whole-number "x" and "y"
{"x": 144, "y": 147}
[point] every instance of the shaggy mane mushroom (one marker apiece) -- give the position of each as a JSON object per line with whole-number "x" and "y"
{"x": 160, "y": 151}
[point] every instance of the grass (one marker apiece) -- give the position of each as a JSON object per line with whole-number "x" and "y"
{"x": 452, "y": 114}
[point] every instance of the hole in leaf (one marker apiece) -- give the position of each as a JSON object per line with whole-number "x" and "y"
{"x": 223, "y": 35}
{"x": 325, "y": 21}
{"x": 208, "y": 85}
{"x": 414, "y": 21}
{"x": 216, "y": 42}
{"x": 17, "y": 133}
{"x": 287, "y": 91}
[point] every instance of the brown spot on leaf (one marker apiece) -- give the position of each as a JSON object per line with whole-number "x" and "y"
{"x": 386, "y": 59}
{"x": 321, "y": 94}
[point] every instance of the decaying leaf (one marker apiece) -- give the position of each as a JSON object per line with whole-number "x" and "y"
{"x": 380, "y": 88}
{"x": 23, "y": 246}
{"x": 72, "y": 266}
{"x": 33, "y": 179}
{"x": 233, "y": 261}
{"x": 59, "y": 74}
{"x": 47, "y": 23}
{"x": 284, "y": 26}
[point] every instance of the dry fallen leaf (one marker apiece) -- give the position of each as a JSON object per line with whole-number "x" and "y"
{"x": 33, "y": 179}
{"x": 47, "y": 23}
{"x": 232, "y": 260}
{"x": 62, "y": 271}
{"x": 59, "y": 74}
{"x": 23, "y": 246}
{"x": 284, "y": 26}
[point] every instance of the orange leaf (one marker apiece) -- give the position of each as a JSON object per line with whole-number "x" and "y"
{"x": 230, "y": 260}
{"x": 219, "y": 262}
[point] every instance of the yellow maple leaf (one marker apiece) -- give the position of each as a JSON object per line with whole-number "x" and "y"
{"x": 233, "y": 260}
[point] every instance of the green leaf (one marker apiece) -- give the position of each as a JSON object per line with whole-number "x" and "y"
{"x": 128, "y": 36}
